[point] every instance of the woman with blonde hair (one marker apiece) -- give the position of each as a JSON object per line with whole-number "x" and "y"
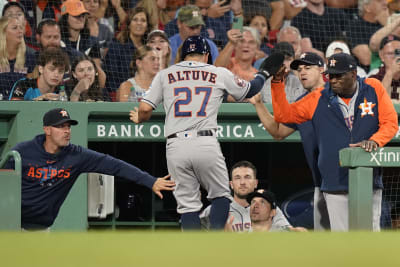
{"x": 122, "y": 49}
{"x": 144, "y": 66}
{"x": 15, "y": 62}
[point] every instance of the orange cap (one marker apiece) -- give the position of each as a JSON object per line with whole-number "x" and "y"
{"x": 73, "y": 8}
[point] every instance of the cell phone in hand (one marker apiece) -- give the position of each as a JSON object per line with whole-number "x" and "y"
{"x": 237, "y": 23}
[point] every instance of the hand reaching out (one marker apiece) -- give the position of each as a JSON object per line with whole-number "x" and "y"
{"x": 163, "y": 183}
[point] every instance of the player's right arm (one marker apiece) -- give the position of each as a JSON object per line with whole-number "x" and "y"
{"x": 297, "y": 112}
{"x": 149, "y": 102}
{"x": 277, "y": 130}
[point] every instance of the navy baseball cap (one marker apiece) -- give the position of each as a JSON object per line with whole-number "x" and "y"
{"x": 308, "y": 59}
{"x": 265, "y": 194}
{"x": 196, "y": 45}
{"x": 57, "y": 116}
{"x": 340, "y": 63}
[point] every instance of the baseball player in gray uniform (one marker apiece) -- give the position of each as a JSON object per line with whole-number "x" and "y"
{"x": 191, "y": 92}
{"x": 244, "y": 182}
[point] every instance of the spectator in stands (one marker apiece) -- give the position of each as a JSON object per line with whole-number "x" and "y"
{"x": 310, "y": 67}
{"x": 15, "y": 62}
{"x": 158, "y": 40}
{"x": 293, "y": 87}
{"x": 121, "y": 50}
{"x": 259, "y": 21}
{"x": 144, "y": 66}
{"x": 293, "y": 8}
{"x": 18, "y": 11}
{"x": 189, "y": 22}
{"x": 276, "y": 13}
{"x": 53, "y": 63}
{"x": 84, "y": 85}
{"x": 392, "y": 27}
{"x": 97, "y": 29}
{"x": 292, "y": 36}
{"x": 48, "y": 34}
{"x": 389, "y": 73}
{"x": 340, "y": 46}
{"x": 244, "y": 46}
{"x": 243, "y": 182}
{"x": 157, "y": 12}
{"x": 74, "y": 29}
{"x": 214, "y": 28}
{"x": 372, "y": 14}
{"x": 320, "y": 23}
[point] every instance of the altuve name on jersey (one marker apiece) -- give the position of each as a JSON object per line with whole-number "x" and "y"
{"x": 194, "y": 75}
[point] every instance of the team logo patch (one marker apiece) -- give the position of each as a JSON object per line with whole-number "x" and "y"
{"x": 239, "y": 81}
{"x": 64, "y": 113}
{"x": 192, "y": 47}
{"x": 366, "y": 108}
{"x": 332, "y": 63}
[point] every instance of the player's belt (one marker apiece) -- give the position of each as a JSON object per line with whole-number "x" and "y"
{"x": 188, "y": 134}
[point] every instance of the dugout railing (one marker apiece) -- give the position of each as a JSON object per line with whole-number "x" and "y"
{"x": 10, "y": 193}
{"x": 361, "y": 164}
{"x": 105, "y": 127}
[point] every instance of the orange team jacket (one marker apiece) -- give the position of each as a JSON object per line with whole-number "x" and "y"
{"x": 375, "y": 118}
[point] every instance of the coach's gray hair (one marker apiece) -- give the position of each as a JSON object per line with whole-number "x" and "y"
{"x": 254, "y": 32}
{"x": 361, "y": 4}
{"x": 288, "y": 29}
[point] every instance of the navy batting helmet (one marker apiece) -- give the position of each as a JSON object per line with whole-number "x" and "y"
{"x": 196, "y": 45}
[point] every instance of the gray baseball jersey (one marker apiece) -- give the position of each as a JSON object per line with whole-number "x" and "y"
{"x": 242, "y": 221}
{"x": 191, "y": 93}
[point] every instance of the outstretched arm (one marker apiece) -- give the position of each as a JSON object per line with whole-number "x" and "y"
{"x": 277, "y": 130}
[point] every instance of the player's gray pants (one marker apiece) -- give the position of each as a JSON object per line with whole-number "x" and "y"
{"x": 321, "y": 216}
{"x": 338, "y": 208}
{"x": 195, "y": 161}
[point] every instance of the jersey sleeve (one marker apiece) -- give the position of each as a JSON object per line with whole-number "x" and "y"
{"x": 155, "y": 95}
{"x": 388, "y": 119}
{"x": 93, "y": 161}
{"x": 236, "y": 87}
{"x": 297, "y": 112}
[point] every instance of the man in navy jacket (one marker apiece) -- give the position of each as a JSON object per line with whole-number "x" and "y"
{"x": 51, "y": 165}
{"x": 349, "y": 111}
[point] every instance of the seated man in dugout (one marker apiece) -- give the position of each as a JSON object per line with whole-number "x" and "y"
{"x": 53, "y": 63}
{"x": 263, "y": 210}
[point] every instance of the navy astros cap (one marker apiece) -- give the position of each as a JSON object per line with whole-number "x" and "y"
{"x": 57, "y": 116}
{"x": 340, "y": 63}
{"x": 267, "y": 195}
{"x": 307, "y": 59}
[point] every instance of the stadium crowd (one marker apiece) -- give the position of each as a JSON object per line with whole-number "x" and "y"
{"x": 99, "y": 50}
{"x": 107, "y": 41}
